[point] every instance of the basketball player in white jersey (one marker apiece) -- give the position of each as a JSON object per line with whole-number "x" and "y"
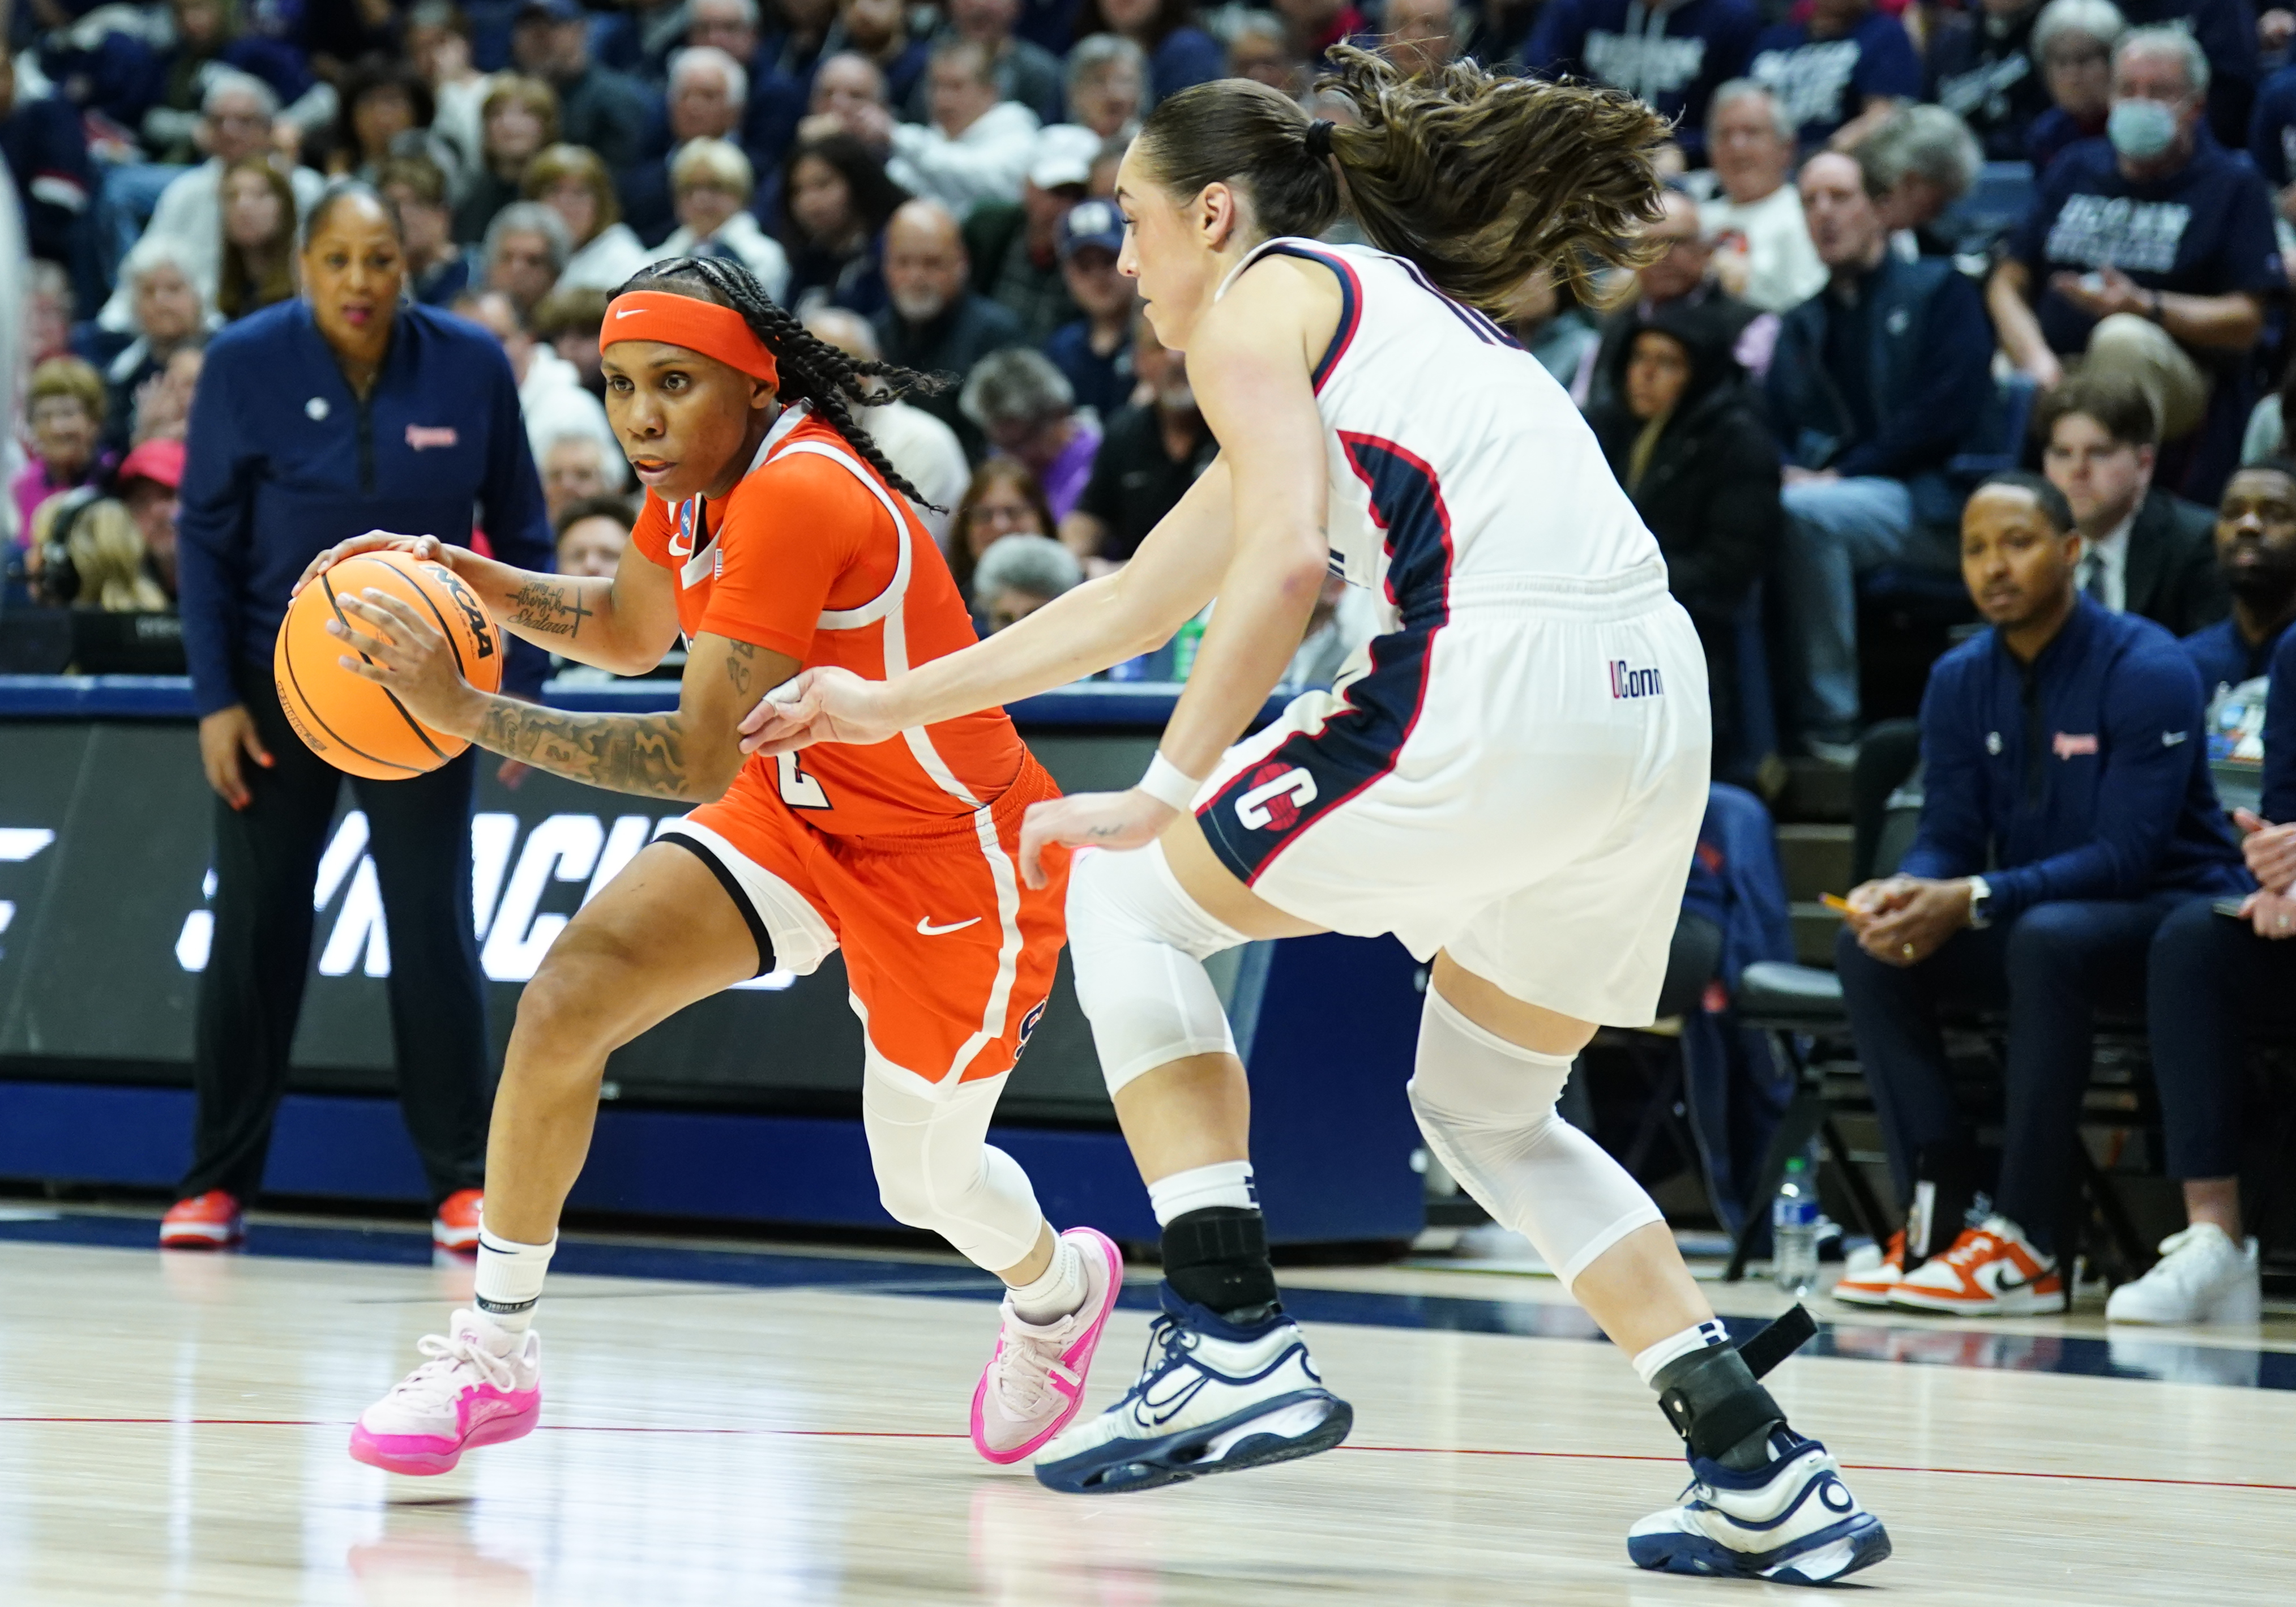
{"x": 1510, "y": 781}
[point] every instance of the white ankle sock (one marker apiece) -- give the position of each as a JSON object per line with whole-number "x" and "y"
{"x": 1058, "y": 1292}
{"x": 1222, "y": 1183}
{"x": 1689, "y": 1341}
{"x": 509, "y": 1280}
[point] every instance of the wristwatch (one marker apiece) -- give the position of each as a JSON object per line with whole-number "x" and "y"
{"x": 1980, "y": 900}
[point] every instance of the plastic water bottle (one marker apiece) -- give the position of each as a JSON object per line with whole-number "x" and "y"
{"x": 1793, "y": 1230}
{"x": 1185, "y": 645}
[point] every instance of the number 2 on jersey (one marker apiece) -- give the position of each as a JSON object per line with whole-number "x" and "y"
{"x": 799, "y": 790}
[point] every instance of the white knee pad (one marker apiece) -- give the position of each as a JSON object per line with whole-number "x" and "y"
{"x": 1138, "y": 943}
{"x": 935, "y": 1169}
{"x": 1487, "y": 1109}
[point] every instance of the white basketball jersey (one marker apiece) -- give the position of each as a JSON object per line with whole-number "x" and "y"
{"x": 1453, "y": 454}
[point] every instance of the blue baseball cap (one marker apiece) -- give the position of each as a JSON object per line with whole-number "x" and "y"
{"x": 1090, "y": 223}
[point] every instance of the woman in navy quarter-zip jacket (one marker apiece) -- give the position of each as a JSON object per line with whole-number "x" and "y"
{"x": 341, "y": 412}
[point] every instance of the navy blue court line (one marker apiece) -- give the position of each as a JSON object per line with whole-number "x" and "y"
{"x": 2137, "y": 1359}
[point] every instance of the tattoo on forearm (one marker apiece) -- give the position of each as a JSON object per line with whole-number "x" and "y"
{"x": 626, "y": 753}
{"x": 740, "y": 663}
{"x": 549, "y": 608}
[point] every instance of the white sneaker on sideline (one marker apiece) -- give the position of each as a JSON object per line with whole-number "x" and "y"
{"x": 2201, "y": 1276}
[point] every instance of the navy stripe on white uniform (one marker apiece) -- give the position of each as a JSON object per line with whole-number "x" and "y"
{"x": 1264, "y": 809}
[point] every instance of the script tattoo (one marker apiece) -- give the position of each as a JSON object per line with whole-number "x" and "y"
{"x": 644, "y": 754}
{"x": 548, "y": 608}
{"x": 740, "y": 664}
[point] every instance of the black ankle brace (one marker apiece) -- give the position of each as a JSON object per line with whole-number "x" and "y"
{"x": 1217, "y": 1257}
{"x": 1715, "y": 1401}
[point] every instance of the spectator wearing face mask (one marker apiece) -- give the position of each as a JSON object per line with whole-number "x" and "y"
{"x": 925, "y": 450}
{"x": 2151, "y": 254}
{"x": 935, "y": 322}
{"x": 836, "y": 201}
{"x": 169, "y": 317}
{"x": 1839, "y": 73}
{"x": 1671, "y": 57}
{"x": 977, "y": 147}
{"x": 1179, "y": 53}
{"x": 713, "y": 182}
{"x": 517, "y": 121}
{"x": 1014, "y": 245}
{"x": 237, "y": 112}
{"x": 1025, "y": 408}
{"x": 2072, "y": 44}
{"x": 1095, "y": 352}
{"x": 1984, "y": 70}
{"x": 1760, "y": 240}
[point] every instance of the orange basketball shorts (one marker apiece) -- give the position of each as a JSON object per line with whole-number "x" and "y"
{"x": 949, "y": 954}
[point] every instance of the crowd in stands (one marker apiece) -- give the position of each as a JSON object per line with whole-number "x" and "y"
{"x": 1905, "y": 248}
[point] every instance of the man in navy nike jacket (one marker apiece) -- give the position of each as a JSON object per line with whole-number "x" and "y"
{"x": 2068, "y": 808}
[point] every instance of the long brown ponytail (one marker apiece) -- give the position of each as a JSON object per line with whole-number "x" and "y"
{"x": 1479, "y": 179}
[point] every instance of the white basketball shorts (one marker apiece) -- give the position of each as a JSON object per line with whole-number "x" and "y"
{"x": 1516, "y": 775}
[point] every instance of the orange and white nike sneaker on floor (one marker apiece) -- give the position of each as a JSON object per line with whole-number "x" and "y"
{"x": 1869, "y": 1276}
{"x": 210, "y": 1221}
{"x": 455, "y": 1224}
{"x": 1990, "y": 1271}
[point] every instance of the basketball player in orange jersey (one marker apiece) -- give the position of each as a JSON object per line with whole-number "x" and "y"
{"x": 774, "y": 537}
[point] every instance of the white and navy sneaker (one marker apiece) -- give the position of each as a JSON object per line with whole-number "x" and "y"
{"x": 1212, "y": 1398}
{"x": 1793, "y": 1522}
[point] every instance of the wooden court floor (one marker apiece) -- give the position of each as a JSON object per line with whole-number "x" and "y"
{"x": 172, "y": 1429}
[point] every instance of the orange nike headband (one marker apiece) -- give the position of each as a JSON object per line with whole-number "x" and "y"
{"x": 703, "y": 326}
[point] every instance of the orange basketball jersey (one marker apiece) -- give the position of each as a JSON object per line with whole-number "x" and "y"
{"x": 813, "y": 555}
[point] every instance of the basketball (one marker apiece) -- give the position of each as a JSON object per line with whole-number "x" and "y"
{"x": 356, "y": 725}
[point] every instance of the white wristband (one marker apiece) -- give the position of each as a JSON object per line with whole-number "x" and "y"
{"x": 1168, "y": 784}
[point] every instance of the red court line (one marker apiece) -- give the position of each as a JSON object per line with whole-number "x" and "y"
{"x": 1398, "y": 1450}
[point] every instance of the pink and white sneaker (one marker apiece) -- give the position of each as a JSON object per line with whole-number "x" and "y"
{"x": 1035, "y": 1381}
{"x": 481, "y": 1387}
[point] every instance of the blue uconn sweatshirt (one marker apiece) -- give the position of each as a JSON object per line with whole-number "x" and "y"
{"x": 1672, "y": 58}
{"x": 284, "y": 461}
{"x": 2081, "y": 775}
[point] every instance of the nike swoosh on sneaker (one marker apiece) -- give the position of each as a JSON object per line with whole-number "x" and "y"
{"x": 926, "y": 928}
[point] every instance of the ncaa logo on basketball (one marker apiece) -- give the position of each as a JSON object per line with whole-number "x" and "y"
{"x": 1277, "y": 794}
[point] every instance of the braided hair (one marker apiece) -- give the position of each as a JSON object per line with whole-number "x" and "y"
{"x": 811, "y": 369}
